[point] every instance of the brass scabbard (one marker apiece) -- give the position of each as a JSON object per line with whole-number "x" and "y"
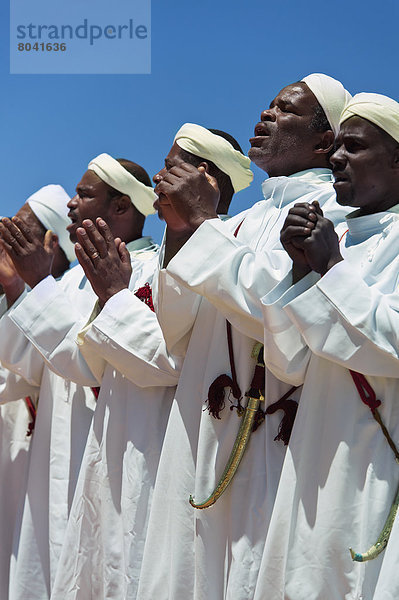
{"x": 383, "y": 538}
{"x": 236, "y": 455}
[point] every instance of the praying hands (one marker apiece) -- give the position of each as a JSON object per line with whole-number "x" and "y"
{"x": 10, "y": 281}
{"x": 310, "y": 240}
{"x": 105, "y": 260}
{"x": 31, "y": 257}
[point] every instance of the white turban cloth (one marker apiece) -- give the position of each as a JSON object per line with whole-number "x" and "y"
{"x": 50, "y": 206}
{"x": 207, "y": 145}
{"x": 376, "y": 108}
{"x": 109, "y": 170}
{"x": 331, "y": 95}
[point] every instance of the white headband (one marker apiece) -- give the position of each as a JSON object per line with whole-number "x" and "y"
{"x": 380, "y": 110}
{"x": 109, "y": 170}
{"x": 207, "y": 145}
{"x": 49, "y": 204}
{"x": 331, "y": 95}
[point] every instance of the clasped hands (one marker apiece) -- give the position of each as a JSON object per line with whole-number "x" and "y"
{"x": 310, "y": 240}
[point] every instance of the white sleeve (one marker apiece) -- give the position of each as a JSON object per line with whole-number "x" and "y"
{"x": 233, "y": 277}
{"x": 176, "y": 308}
{"x": 16, "y": 352}
{"x": 13, "y": 387}
{"x": 49, "y": 319}
{"x": 285, "y": 350}
{"x": 126, "y": 334}
{"x": 349, "y": 322}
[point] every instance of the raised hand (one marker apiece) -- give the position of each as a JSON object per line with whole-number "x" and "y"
{"x": 8, "y": 273}
{"x": 187, "y": 195}
{"x": 32, "y": 259}
{"x": 105, "y": 260}
{"x": 11, "y": 283}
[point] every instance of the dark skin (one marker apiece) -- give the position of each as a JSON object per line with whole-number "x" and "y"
{"x": 179, "y": 179}
{"x": 363, "y": 149}
{"x": 284, "y": 144}
{"x": 366, "y": 170}
{"x": 105, "y": 260}
{"x": 33, "y": 259}
{"x": 13, "y": 246}
{"x": 92, "y": 200}
{"x": 310, "y": 240}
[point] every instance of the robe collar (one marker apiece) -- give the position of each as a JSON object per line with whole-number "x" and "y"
{"x": 363, "y": 227}
{"x": 143, "y": 243}
{"x": 280, "y": 191}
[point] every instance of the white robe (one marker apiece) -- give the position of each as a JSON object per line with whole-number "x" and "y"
{"x": 104, "y": 542}
{"x": 216, "y": 553}
{"x": 14, "y": 458}
{"x": 49, "y": 317}
{"x": 62, "y": 423}
{"x": 107, "y": 524}
{"x": 339, "y": 475}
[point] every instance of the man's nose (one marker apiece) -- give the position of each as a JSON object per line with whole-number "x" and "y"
{"x": 268, "y": 115}
{"x": 338, "y": 158}
{"x": 73, "y": 202}
{"x": 158, "y": 177}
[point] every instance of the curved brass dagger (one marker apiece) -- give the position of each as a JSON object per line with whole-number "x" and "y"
{"x": 383, "y": 538}
{"x": 241, "y": 442}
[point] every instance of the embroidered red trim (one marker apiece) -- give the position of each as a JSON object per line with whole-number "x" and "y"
{"x": 145, "y": 295}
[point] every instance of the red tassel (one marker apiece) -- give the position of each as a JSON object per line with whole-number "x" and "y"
{"x": 290, "y": 408}
{"x": 145, "y": 295}
{"x": 96, "y": 391}
{"x": 238, "y": 228}
{"x": 32, "y": 411}
{"x": 366, "y": 392}
{"x": 216, "y": 395}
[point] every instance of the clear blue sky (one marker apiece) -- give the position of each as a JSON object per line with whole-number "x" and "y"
{"x": 217, "y": 63}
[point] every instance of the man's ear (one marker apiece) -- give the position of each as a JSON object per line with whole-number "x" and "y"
{"x": 54, "y": 240}
{"x": 205, "y": 165}
{"x": 50, "y": 241}
{"x": 121, "y": 204}
{"x": 325, "y": 143}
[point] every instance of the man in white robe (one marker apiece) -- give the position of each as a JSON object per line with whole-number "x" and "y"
{"x": 45, "y": 209}
{"x": 124, "y": 349}
{"x": 220, "y": 271}
{"x": 338, "y": 334}
{"x": 66, "y": 408}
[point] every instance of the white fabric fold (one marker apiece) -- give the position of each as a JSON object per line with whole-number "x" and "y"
{"x": 50, "y": 206}
{"x": 330, "y": 94}
{"x": 207, "y": 145}
{"x": 109, "y": 170}
{"x": 376, "y": 108}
